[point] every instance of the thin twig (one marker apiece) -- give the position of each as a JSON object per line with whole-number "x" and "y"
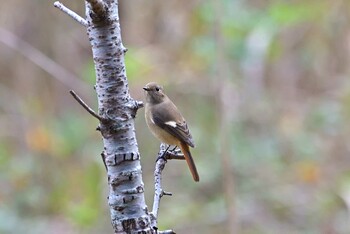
{"x": 71, "y": 13}
{"x": 167, "y": 232}
{"x": 167, "y": 193}
{"x": 41, "y": 60}
{"x": 98, "y": 7}
{"x": 86, "y": 107}
{"x": 174, "y": 155}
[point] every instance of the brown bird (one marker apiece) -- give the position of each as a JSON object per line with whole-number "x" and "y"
{"x": 167, "y": 124}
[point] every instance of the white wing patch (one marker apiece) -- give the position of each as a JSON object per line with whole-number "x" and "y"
{"x": 171, "y": 123}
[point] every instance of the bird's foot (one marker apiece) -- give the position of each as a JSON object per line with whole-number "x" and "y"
{"x": 162, "y": 156}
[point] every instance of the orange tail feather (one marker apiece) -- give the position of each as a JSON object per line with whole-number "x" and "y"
{"x": 192, "y": 166}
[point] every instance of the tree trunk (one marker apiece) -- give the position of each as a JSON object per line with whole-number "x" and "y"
{"x": 117, "y": 110}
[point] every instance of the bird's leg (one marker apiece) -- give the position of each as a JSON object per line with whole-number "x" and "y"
{"x": 173, "y": 149}
{"x": 175, "y": 153}
{"x": 163, "y": 154}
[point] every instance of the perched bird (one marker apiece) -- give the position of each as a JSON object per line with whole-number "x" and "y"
{"x": 167, "y": 124}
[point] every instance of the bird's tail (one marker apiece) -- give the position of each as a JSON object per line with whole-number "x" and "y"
{"x": 186, "y": 151}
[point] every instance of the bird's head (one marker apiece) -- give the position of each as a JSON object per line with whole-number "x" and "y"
{"x": 154, "y": 93}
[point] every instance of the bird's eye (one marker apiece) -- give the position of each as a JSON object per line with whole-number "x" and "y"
{"x": 157, "y": 89}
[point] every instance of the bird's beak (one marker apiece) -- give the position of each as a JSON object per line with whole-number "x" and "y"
{"x": 146, "y": 88}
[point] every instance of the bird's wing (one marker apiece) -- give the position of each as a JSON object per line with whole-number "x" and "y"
{"x": 172, "y": 122}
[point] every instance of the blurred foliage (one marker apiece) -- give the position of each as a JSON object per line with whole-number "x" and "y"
{"x": 271, "y": 78}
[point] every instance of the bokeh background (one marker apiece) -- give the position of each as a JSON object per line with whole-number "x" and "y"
{"x": 263, "y": 84}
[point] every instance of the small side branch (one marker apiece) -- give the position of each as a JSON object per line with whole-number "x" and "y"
{"x": 134, "y": 106}
{"x": 98, "y": 7}
{"x": 167, "y": 232}
{"x": 71, "y": 13}
{"x": 174, "y": 154}
{"x": 139, "y": 104}
{"x": 86, "y": 107}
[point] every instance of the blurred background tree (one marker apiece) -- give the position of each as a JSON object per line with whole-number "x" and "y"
{"x": 270, "y": 78}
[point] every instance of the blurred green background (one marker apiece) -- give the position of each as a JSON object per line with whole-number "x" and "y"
{"x": 263, "y": 84}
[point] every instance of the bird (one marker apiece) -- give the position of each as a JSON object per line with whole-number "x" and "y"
{"x": 167, "y": 124}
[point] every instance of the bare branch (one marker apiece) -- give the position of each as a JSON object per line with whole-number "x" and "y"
{"x": 139, "y": 104}
{"x": 41, "y": 60}
{"x": 174, "y": 154}
{"x": 98, "y": 7}
{"x": 167, "y": 232}
{"x": 167, "y": 193}
{"x": 71, "y": 13}
{"x": 159, "y": 192}
{"x": 86, "y": 107}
